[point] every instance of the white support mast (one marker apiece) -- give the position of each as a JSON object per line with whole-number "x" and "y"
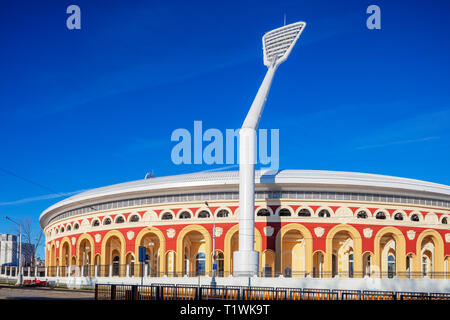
{"x": 277, "y": 45}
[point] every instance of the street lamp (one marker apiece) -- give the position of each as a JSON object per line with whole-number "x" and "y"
{"x": 277, "y": 45}
{"x": 19, "y": 279}
{"x": 213, "y": 280}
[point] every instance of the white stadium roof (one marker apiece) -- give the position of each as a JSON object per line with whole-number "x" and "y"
{"x": 306, "y": 180}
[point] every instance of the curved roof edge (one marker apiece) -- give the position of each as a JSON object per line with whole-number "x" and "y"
{"x": 357, "y": 180}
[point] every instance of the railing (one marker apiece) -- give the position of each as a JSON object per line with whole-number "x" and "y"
{"x": 192, "y": 292}
{"x": 138, "y": 270}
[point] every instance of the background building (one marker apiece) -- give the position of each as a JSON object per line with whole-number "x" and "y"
{"x": 307, "y": 223}
{"x": 9, "y": 251}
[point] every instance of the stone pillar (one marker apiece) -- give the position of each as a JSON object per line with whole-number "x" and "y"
{"x": 128, "y": 271}
{"x": 110, "y": 270}
{"x": 57, "y": 271}
{"x": 96, "y": 271}
{"x": 46, "y": 271}
{"x": 146, "y": 270}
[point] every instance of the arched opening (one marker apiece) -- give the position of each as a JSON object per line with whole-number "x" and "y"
{"x": 194, "y": 253}
{"x": 284, "y": 212}
{"x": 343, "y": 250}
{"x": 222, "y": 213}
{"x": 427, "y": 256}
{"x": 380, "y": 215}
{"x": 409, "y": 265}
{"x": 388, "y": 248}
{"x": 185, "y": 215}
{"x": 203, "y": 214}
{"x": 120, "y": 219}
{"x": 263, "y": 213}
{"x": 398, "y": 216}
{"x": 200, "y": 264}
{"x": 167, "y": 216}
{"x": 65, "y": 259}
{"x": 415, "y": 218}
{"x": 367, "y": 264}
{"x": 304, "y": 213}
{"x": 324, "y": 213}
{"x": 84, "y": 257}
{"x": 152, "y": 245}
{"x": 362, "y": 215}
{"x": 220, "y": 262}
{"x": 130, "y": 263}
{"x": 113, "y": 251}
{"x": 107, "y": 221}
{"x": 318, "y": 260}
{"x": 116, "y": 265}
{"x": 293, "y": 254}
{"x": 134, "y": 218}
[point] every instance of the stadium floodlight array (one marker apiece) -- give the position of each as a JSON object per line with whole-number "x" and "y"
{"x": 277, "y": 45}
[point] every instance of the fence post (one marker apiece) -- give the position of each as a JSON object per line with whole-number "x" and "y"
{"x": 96, "y": 291}
{"x": 134, "y": 292}
{"x": 113, "y": 292}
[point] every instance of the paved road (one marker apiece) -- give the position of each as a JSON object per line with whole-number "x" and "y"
{"x": 15, "y": 293}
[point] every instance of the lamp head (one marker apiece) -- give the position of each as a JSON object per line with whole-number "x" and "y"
{"x": 278, "y": 43}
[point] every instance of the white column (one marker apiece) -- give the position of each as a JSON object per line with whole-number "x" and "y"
{"x": 246, "y": 259}
{"x": 128, "y": 271}
{"x": 96, "y": 271}
{"x": 110, "y": 270}
{"x": 146, "y": 270}
{"x": 46, "y": 271}
{"x": 57, "y": 271}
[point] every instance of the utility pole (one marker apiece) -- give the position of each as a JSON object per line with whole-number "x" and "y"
{"x": 19, "y": 279}
{"x": 213, "y": 280}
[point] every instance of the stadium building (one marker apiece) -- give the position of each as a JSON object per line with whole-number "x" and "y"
{"x": 318, "y": 224}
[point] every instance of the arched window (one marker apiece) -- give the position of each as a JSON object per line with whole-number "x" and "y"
{"x": 398, "y": 216}
{"x": 444, "y": 220}
{"x": 120, "y": 219}
{"x": 222, "y": 213}
{"x": 76, "y": 226}
{"x": 391, "y": 266}
{"x": 362, "y": 215}
{"x": 263, "y": 213}
{"x": 324, "y": 213}
{"x": 380, "y": 215}
{"x": 415, "y": 217}
{"x": 116, "y": 266}
{"x": 304, "y": 213}
{"x": 284, "y": 213}
{"x": 350, "y": 265}
{"x": 69, "y": 228}
{"x": 96, "y": 223}
{"x": 167, "y": 216}
{"x": 62, "y": 229}
{"x": 107, "y": 221}
{"x": 200, "y": 264}
{"x": 185, "y": 215}
{"x": 203, "y": 214}
{"x": 134, "y": 218}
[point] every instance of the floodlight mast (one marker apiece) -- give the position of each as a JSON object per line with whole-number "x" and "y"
{"x": 277, "y": 45}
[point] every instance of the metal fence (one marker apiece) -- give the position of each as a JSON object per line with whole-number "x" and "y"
{"x": 138, "y": 270}
{"x": 193, "y": 292}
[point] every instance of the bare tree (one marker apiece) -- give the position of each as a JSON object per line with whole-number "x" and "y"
{"x": 31, "y": 235}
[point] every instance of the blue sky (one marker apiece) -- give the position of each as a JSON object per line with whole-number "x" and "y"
{"x": 86, "y": 108}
